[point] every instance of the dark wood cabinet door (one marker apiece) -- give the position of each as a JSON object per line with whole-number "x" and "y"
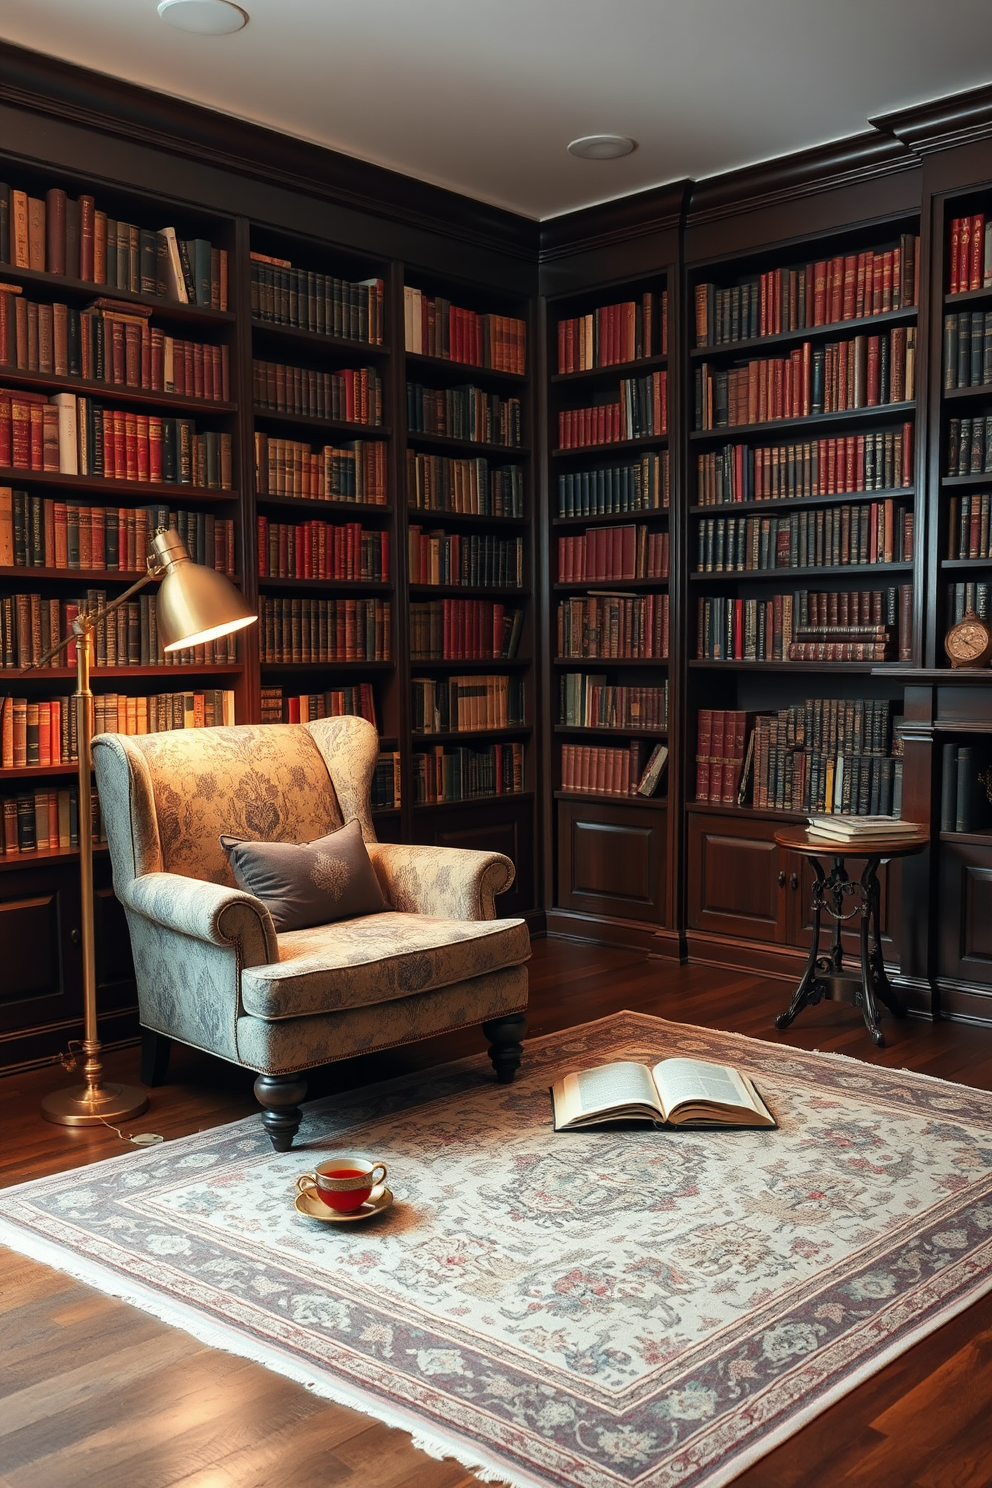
{"x": 965, "y": 903}
{"x": 800, "y": 888}
{"x": 40, "y": 968}
{"x": 479, "y": 827}
{"x": 611, "y": 860}
{"x": 737, "y": 885}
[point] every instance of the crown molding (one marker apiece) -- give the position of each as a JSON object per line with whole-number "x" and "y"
{"x": 94, "y": 100}
{"x": 659, "y": 209}
{"x": 861, "y": 157}
{"x": 940, "y": 125}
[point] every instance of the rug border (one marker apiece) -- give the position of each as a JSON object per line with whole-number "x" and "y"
{"x": 487, "y": 1465}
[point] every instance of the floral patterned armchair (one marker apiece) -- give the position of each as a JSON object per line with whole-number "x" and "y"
{"x": 211, "y": 969}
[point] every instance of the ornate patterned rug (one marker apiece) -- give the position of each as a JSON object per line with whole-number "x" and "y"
{"x": 591, "y": 1310}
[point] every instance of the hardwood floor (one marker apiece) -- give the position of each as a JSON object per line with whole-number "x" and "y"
{"x": 94, "y": 1392}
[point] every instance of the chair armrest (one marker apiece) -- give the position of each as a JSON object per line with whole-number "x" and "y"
{"x": 206, "y": 911}
{"x": 452, "y": 883}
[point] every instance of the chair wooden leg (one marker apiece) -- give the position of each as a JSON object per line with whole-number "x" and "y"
{"x": 280, "y": 1097}
{"x": 506, "y": 1048}
{"x": 155, "y": 1051}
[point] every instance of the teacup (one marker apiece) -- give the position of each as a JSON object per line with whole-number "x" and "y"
{"x": 343, "y": 1182}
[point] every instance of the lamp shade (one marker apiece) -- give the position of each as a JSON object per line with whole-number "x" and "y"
{"x": 195, "y": 604}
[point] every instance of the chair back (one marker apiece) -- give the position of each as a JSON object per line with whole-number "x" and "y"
{"x": 168, "y": 797}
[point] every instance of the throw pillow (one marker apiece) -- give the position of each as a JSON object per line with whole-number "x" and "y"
{"x": 308, "y": 883}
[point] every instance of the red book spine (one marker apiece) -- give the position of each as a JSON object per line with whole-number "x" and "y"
{"x": 976, "y": 265}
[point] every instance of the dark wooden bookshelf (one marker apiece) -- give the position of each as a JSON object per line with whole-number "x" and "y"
{"x": 836, "y": 330}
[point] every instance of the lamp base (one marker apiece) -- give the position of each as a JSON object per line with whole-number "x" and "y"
{"x": 82, "y": 1106}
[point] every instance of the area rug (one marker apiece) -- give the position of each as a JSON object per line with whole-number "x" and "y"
{"x": 616, "y": 1307}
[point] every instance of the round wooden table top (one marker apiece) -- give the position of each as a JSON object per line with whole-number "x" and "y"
{"x": 804, "y": 840}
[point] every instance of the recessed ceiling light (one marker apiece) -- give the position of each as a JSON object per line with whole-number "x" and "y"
{"x": 602, "y": 146}
{"x": 205, "y": 17}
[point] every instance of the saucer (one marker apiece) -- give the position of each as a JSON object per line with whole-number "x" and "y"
{"x": 312, "y": 1207}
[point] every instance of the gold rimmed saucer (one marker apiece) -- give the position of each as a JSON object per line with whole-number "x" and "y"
{"x": 312, "y": 1207}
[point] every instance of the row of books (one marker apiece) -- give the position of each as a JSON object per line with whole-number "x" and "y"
{"x": 964, "y": 597}
{"x": 615, "y": 490}
{"x": 862, "y": 372}
{"x": 831, "y": 537}
{"x": 323, "y": 630}
{"x": 784, "y": 779}
{"x": 351, "y": 310}
{"x": 72, "y": 238}
{"x": 968, "y": 349}
{"x": 606, "y": 553}
{"x": 641, "y": 411}
{"x": 356, "y": 701}
{"x": 31, "y": 623}
{"x": 321, "y": 550}
{"x": 108, "y": 344}
{"x": 829, "y": 291}
{"x": 455, "y": 705}
{"x": 353, "y": 471}
{"x": 588, "y": 700}
{"x": 462, "y": 774}
{"x": 880, "y": 461}
{"x": 41, "y": 732}
{"x": 604, "y": 770}
{"x": 970, "y": 256}
{"x": 614, "y": 626}
{"x": 464, "y": 630}
{"x": 966, "y": 787}
{"x": 969, "y": 446}
{"x": 614, "y": 333}
{"x": 352, "y": 396}
{"x": 38, "y": 532}
{"x": 72, "y": 435}
{"x": 435, "y": 327}
{"x": 849, "y": 625}
{"x": 441, "y": 483}
{"x": 386, "y": 793}
{"x": 721, "y": 740}
{"x": 44, "y": 821}
{"x": 466, "y": 559}
{"x": 464, "y": 413}
{"x": 838, "y": 726}
{"x": 968, "y": 534}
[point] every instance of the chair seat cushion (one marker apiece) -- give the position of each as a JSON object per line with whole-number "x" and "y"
{"x": 377, "y": 958}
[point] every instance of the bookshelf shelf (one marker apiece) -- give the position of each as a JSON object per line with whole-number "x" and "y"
{"x": 957, "y": 482}
{"x": 517, "y": 731}
{"x": 470, "y": 447}
{"x": 11, "y": 862}
{"x": 866, "y": 325}
{"x": 841, "y": 668}
{"x": 966, "y": 564}
{"x": 613, "y": 519}
{"x": 300, "y": 668}
{"x": 15, "y": 476}
{"x": 459, "y": 372}
{"x": 615, "y": 446}
{"x": 486, "y": 801}
{"x": 112, "y": 392}
{"x": 861, "y": 570}
{"x": 420, "y": 516}
{"x": 323, "y": 586}
{"x": 653, "y": 803}
{"x": 318, "y": 425}
{"x": 468, "y": 591}
{"x": 334, "y": 346}
{"x": 314, "y": 507}
{"x": 982, "y": 392}
{"x": 609, "y": 661}
{"x": 35, "y": 772}
{"x": 175, "y": 673}
{"x": 419, "y": 664}
{"x": 968, "y": 297}
{"x": 799, "y": 503}
{"x": 581, "y": 730}
{"x": 879, "y": 412}
{"x": 163, "y": 309}
{"x": 593, "y": 586}
{"x": 606, "y": 376}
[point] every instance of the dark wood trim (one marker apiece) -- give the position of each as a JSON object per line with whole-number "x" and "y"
{"x": 634, "y": 935}
{"x": 47, "y": 85}
{"x": 943, "y": 123}
{"x": 658, "y": 209}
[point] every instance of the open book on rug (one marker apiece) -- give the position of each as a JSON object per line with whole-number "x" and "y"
{"x": 676, "y": 1092}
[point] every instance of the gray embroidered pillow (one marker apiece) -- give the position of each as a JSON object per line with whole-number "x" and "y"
{"x": 309, "y": 883}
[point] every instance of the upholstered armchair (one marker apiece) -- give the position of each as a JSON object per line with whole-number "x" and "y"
{"x": 211, "y": 969}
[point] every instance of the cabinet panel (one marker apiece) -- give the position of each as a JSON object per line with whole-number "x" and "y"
{"x": 41, "y": 981}
{"x": 611, "y": 860}
{"x": 482, "y": 830}
{"x": 734, "y": 879}
{"x": 966, "y": 911}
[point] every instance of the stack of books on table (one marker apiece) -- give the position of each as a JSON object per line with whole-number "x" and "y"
{"x": 860, "y": 830}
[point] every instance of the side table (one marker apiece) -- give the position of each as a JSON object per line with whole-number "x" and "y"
{"x": 839, "y": 896}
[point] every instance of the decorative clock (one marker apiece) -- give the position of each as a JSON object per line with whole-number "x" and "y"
{"x": 969, "y": 643}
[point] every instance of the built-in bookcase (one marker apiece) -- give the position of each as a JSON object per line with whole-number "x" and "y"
{"x": 466, "y": 530}
{"x": 802, "y": 550}
{"x": 325, "y": 531}
{"x": 611, "y": 632}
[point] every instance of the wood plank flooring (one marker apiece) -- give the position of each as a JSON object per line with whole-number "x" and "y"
{"x": 95, "y": 1394}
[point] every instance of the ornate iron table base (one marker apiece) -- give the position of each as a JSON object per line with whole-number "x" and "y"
{"x": 825, "y": 975}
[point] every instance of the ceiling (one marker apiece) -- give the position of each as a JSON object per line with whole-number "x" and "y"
{"x": 483, "y": 96}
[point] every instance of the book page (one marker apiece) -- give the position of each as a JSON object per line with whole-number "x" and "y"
{"x": 693, "y": 1080}
{"x": 607, "y": 1087}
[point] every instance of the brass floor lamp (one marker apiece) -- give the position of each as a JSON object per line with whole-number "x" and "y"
{"x": 195, "y": 605}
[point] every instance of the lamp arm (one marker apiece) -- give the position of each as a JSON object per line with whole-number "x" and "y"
{"x": 85, "y": 621}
